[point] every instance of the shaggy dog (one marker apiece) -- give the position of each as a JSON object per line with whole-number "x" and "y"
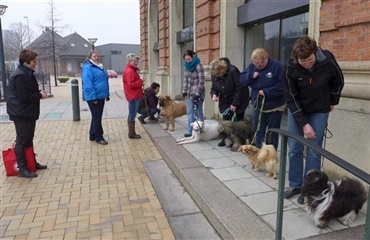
{"x": 236, "y": 132}
{"x": 171, "y": 110}
{"x": 201, "y": 131}
{"x": 324, "y": 199}
{"x": 265, "y": 156}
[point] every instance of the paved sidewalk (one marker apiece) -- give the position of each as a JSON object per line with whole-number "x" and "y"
{"x": 104, "y": 192}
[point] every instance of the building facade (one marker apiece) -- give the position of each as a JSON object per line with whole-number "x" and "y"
{"x": 217, "y": 28}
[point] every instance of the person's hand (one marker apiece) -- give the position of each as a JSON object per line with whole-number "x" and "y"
{"x": 308, "y": 131}
{"x": 43, "y": 94}
{"x": 215, "y": 98}
{"x": 331, "y": 108}
{"x": 256, "y": 74}
{"x": 184, "y": 95}
{"x": 195, "y": 100}
{"x": 260, "y": 92}
{"x": 107, "y": 99}
{"x": 95, "y": 101}
{"x": 232, "y": 108}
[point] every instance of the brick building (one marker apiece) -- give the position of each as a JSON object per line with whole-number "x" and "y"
{"x": 216, "y": 28}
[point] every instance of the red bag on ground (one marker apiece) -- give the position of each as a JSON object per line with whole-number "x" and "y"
{"x": 11, "y": 164}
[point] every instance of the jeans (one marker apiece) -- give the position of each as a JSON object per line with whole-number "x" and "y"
{"x": 297, "y": 170}
{"x": 144, "y": 113}
{"x": 268, "y": 120}
{"x": 133, "y": 106}
{"x": 190, "y": 113}
{"x": 96, "y": 129}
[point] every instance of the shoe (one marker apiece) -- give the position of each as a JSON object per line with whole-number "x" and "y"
{"x": 300, "y": 199}
{"x": 152, "y": 118}
{"x": 40, "y": 167}
{"x": 101, "y": 141}
{"x": 221, "y": 144}
{"x": 291, "y": 192}
{"x": 23, "y": 172}
{"x": 141, "y": 119}
{"x": 187, "y": 135}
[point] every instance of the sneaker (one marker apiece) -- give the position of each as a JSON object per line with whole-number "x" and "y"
{"x": 300, "y": 199}
{"x": 101, "y": 141}
{"x": 141, "y": 119}
{"x": 291, "y": 192}
{"x": 187, "y": 135}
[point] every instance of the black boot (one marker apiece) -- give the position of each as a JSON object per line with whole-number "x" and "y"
{"x": 141, "y": 119}
{"x": 22, "y": 165}
{"x": 40, "y": 167}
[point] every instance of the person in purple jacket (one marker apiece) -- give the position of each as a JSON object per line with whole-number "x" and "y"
{"x": 148, "y": 104}
{"x": 265, "y": 78}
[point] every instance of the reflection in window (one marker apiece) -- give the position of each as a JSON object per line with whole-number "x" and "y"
{"x": 188, "y": 13}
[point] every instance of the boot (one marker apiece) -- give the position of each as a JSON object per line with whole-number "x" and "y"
{"x": 38, "y": 165}
{"x": 22, "y": 165}
{"x": 131, "y": 131}
{"x": 141, "y": 119}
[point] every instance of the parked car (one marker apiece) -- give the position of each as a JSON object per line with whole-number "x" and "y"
{"x": 112, "y": 74}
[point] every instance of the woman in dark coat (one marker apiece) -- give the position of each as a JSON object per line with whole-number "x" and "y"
{"x": 23, "y": 108}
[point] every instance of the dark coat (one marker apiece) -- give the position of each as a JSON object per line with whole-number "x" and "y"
{"x": 229, "y": 89}
{"x": 23, "y": 101}
{"x": 151, "y": 99}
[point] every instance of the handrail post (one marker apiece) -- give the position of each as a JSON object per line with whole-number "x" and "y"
{"x": 280, "y": 204}
{"x": 367, "y": 223}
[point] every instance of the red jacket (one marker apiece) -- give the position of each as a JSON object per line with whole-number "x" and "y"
{"x": 132, "y": 84}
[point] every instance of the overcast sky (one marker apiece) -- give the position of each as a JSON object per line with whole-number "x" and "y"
{"x": 111, "y": 21}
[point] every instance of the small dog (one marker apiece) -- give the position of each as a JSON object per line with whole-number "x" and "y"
{"x": 201, "y": 131}
{"x": 171, "y": 110}
{"x": 265, "y": 156}
{"x": 236, "y": 132}
{"x": 326, "y": 199}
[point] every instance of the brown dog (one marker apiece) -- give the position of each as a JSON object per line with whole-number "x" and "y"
{"x": 265, "y": 156}
{"x": 171, "y": 110}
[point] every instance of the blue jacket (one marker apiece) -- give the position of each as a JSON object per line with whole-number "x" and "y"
{"x": 95, "y": 82}
{"x": 270, "y": 80}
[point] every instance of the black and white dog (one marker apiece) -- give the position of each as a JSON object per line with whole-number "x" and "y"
{"x": 326, "y": 199}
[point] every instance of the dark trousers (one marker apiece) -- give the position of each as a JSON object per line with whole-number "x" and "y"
{"x": 25, "y": 132}
{"x": 267, "y": 121}
{"x": 144, "y": 113}
{"x": 96, "y": 129}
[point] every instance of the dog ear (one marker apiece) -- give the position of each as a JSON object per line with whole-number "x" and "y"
{"x": 168, "y": 98}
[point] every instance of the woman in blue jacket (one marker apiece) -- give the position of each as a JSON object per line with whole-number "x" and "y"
{"x": 265, "y": 77}
{"x": 95, "y": 90}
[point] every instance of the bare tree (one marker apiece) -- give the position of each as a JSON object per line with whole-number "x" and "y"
{"x": 50, "y": 43}
{"x": 15, "y": 40}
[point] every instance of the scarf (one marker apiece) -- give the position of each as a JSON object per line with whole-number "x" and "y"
{"x": 99, "y": 65}
{"x": 191, "y": 66}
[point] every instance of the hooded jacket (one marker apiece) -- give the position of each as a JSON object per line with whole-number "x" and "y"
{"x": 23, "y": 101}
{"x": 312, "y": 91}
{"x": 229, "y": 89}
{"x": 95, "y": 82}
{"x": 132, "y": 84}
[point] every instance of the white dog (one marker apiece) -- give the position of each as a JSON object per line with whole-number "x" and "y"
{"x": 201, "y": 131}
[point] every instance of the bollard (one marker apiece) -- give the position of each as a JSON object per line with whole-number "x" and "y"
{"x": 75, "y": 100}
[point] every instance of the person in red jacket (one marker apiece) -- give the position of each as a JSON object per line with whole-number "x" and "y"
{"x": 133, "y": 90}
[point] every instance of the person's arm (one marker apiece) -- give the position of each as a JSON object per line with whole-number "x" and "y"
{"x": 246, "y": 77}
{"x": 24, "y": 92}
{"x": 275, "y": 90}
{"x": 185, "y": 84}
{"x": 201, "y": 77}
{"x": 88, "y": 83}
{"x": 336, "y": 82}
{"x": 133, "y": 80}
{"x": 235, "y": 77}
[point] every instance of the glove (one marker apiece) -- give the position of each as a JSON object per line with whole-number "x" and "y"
{"x": 184, "y": 95}
{"x": 195, "y": 100}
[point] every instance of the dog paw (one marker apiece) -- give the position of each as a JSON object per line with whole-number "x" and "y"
{"x": 321, "y": 224}
{"x": 172, "y": 130}
{"x": 166, "y": 128}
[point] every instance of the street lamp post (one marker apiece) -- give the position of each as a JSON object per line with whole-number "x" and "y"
{"x": 92, "y": 41}
{"x": 2, "y": 58}
{"x": 28, "y": 31}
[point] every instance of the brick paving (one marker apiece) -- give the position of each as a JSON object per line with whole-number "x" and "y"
{"x": 89, "y": 191}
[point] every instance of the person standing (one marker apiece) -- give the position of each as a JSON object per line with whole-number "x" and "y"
{"x": 265, "y": 78}
{"x": 23, "y": 108}
{"x": 95, "y": 89}
{"x": 133, "y": 89}
{"x": 313, "y": 82}
{"x": 193, "y": 89}
{"x": 232, "y": 97}
{"x": 148, "y": 105}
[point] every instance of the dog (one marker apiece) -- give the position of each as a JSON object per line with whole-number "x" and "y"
{"x": 171, "y": 110}
{"x": 325, "y": 199}
{"x": 265, "y": 156}
{"x": 201, "y": 131}
{"x": 236, "y": 132}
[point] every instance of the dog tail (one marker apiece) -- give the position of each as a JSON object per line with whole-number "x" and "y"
{"x": 267, "y": 151}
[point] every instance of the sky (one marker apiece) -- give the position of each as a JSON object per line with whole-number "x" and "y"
{"x": 111, "y": 21}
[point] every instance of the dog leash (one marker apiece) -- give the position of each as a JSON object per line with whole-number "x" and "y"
{"x": 259, "y": 116}
{"x": 197, "y": 117}
{"x": 227, "y": 111}
{"x": 327, "y": 134}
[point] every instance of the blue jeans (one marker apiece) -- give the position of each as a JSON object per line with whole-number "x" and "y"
{"x": 297, "y": 171}
{"x": 133, "y": 106}
{"x": 96, "y": 129}
{"x": 191, "y": 114}
{"x": 268, "y": 120}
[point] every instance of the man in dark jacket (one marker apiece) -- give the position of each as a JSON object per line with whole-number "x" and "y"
{"x": 148, "y": 104}
{"x": 232, "y": 97}
{"x": 23, "y": 108}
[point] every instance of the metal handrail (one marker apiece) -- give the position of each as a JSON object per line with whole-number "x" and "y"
{"x": 330, "y": 156}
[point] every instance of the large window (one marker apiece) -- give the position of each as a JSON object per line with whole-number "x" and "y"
{"x": 277, "y": 36}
